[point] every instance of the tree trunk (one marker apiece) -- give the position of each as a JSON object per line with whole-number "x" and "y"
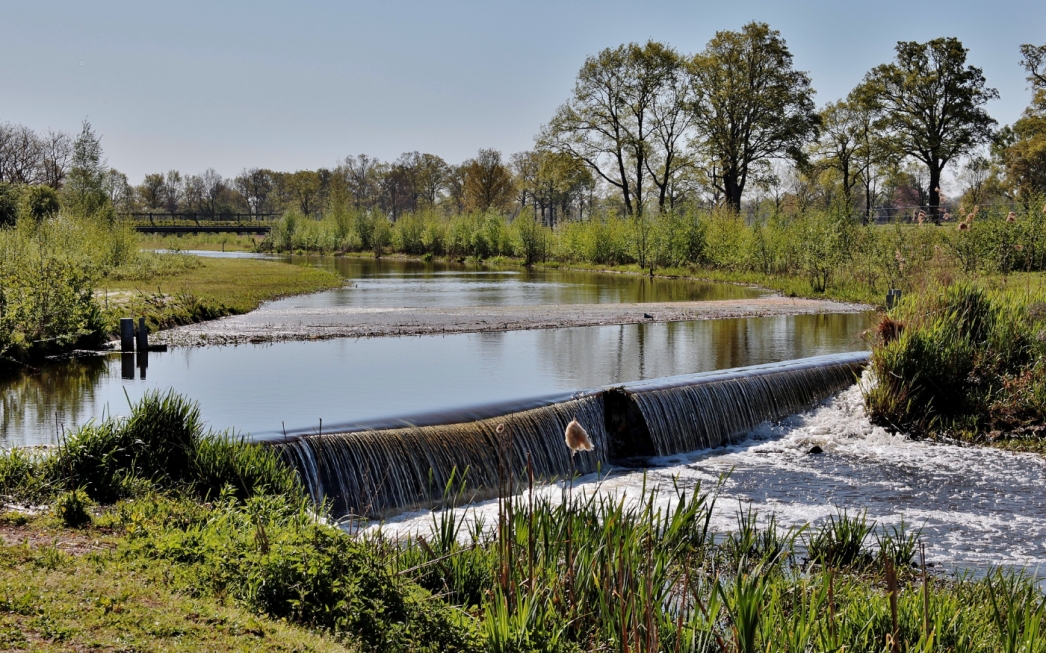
{"x": 732, "y": 189}
{"x": 935, "y": 194}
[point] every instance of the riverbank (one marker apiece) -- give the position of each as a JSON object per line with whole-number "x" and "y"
{"x": 276, "y": 322}
{"x": 211, "y": 289}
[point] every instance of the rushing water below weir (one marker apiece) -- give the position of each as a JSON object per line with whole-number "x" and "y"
{"x": 977, "y": 507}
{"x": 259, "y": 388}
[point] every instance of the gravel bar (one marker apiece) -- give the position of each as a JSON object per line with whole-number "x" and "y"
{"x": 270, "y": 325}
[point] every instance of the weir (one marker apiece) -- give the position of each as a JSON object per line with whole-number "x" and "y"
{"x": 379, "y": 471}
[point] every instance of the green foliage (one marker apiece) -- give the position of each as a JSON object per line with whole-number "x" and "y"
{"x": 40, "y": 202}
{"x": 9, "y": 199}
{"x": 161, "y": 445}
{"x": 840, "y": 542}
{"x": 72, "y": 508}
{"x": 967, "y": 361}
{"x": 269, "y": 555}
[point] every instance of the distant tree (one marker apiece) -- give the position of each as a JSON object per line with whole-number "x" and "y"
{"x": 193, "y": 194}
{"x": 9, "y": 199}
{"x": 151, "y": 192}
{"x": 173, "y": 191}
{"x": 625, "y": 119}
{"x": 40, "y": 202}
{"x": 304, "y": 188}
{"x": 213, "y": 189}
{"x": 57, "y": 151}
{"x": 750, "y": 104}
{"x": 23, "y": 151}
{"x": 1023, "y": 146}
{"x": 432, "y": 177}
{"x": 119, "y": 192}
{"x": 362, "y": 176}
{"x": 931, "y": 104}
{"x": 486, "y": 182}
{"x": 85, "y": 188}
{"x": 255, "y": 185}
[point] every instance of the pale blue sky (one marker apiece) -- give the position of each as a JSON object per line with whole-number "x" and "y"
{"x": 300, "y": 85}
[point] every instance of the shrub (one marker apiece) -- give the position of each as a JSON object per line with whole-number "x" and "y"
{"x": 72, "y": 508}
{"x": 966, "y": 361}
{"x": 40, "y": 203}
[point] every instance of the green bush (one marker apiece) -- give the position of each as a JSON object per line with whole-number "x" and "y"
{"x": 966, "y": 361}
{"x": 40, "y": 203}
{"x": 72, "y": 508}
{"x": 271, "y": 556}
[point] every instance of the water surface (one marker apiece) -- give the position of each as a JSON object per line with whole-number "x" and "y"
{"x": 263, "y": 388}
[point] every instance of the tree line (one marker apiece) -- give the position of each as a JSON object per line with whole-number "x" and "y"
{"x": 645, "y": 129}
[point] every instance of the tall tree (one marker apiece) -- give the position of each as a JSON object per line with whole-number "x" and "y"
{"x": 931, "y": 104}
{"x": 750, "y": 104}
{"x": 85, "y": 189}
{"x": 486, "y": 182}
{"x": 624, "y": 119}
{"x": 840, "y": 143}
{"x": 1023, "y": 146}
{"x": 57, "y": 151}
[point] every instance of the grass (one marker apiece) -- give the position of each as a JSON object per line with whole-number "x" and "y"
{"x": 72, "y": 590}
{"x": 205, "y": 242}
{"x": 168, "y": 563}
{"x": 963, "y": 361}
{"x": 211, "y": 288}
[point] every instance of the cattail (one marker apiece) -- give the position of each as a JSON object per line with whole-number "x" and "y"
{"x": 1011, "y": 217}
{"x": 964, "y": 226}
{"x": 577, "y": 438}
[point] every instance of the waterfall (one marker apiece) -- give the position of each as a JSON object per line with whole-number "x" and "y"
{"x": 385, "y": 470}
{"x": 706, "y": 410}
{"x": 375, "y": 472}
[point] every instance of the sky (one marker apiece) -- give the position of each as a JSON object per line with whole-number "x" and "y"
{"x": 289, "y": 86}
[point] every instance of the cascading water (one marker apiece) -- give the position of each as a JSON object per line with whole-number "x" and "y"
{"x": 377, "y": 472}
{"x": 707, "y": 410}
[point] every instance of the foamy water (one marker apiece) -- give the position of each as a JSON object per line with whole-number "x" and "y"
{"x": 977, "y": 507}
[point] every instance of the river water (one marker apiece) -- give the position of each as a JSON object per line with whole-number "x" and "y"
{"x": 976, "y": 507}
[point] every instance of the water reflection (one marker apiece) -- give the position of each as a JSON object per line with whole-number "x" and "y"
{"x": 255, "y": 388}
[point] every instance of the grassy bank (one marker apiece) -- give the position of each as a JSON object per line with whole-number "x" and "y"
{"x": 206, "y": 289}
{"x": 151, "y": 514}
{"x": 965, "y": 361}
{"x": 65, "y": 282}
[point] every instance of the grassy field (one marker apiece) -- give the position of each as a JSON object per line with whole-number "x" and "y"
{"x": 64, "y": 589}
{"x": 206, "y": 289}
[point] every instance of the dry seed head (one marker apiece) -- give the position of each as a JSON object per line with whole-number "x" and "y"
{"x": 1011, "y": 217}
{"x": 500, "y": 428}
{"x": 577, "y": 438}
{"x": 964, "y": 226}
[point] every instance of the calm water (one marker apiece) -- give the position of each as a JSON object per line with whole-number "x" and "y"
{"x": 260, "y": 388}
{"x": 391, "y": 283}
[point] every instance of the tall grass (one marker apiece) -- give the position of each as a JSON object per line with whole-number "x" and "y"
{"x": 963, "y": 360}
{"x": 812, "y": 252}
{"x": 161, "y": 445}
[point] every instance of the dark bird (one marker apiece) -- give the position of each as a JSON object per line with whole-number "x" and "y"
{"x": 648, "y": 316}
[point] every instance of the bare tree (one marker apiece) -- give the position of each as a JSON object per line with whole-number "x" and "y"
{"x": 57, "y": 153}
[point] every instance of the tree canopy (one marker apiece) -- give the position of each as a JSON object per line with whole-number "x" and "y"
{"x": 931, "y": 105}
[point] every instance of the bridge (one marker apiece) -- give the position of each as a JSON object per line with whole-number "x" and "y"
{"x": 196, "y": 223}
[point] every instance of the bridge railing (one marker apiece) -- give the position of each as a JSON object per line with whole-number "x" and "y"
{"x": 185, "y": 218}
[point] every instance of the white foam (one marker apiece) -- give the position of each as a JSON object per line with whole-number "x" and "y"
{"x": 977, "y": 506}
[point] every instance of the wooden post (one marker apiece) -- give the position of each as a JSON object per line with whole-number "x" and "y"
{"x": 143, "y": 335}
{"x": 127, "y": 334}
